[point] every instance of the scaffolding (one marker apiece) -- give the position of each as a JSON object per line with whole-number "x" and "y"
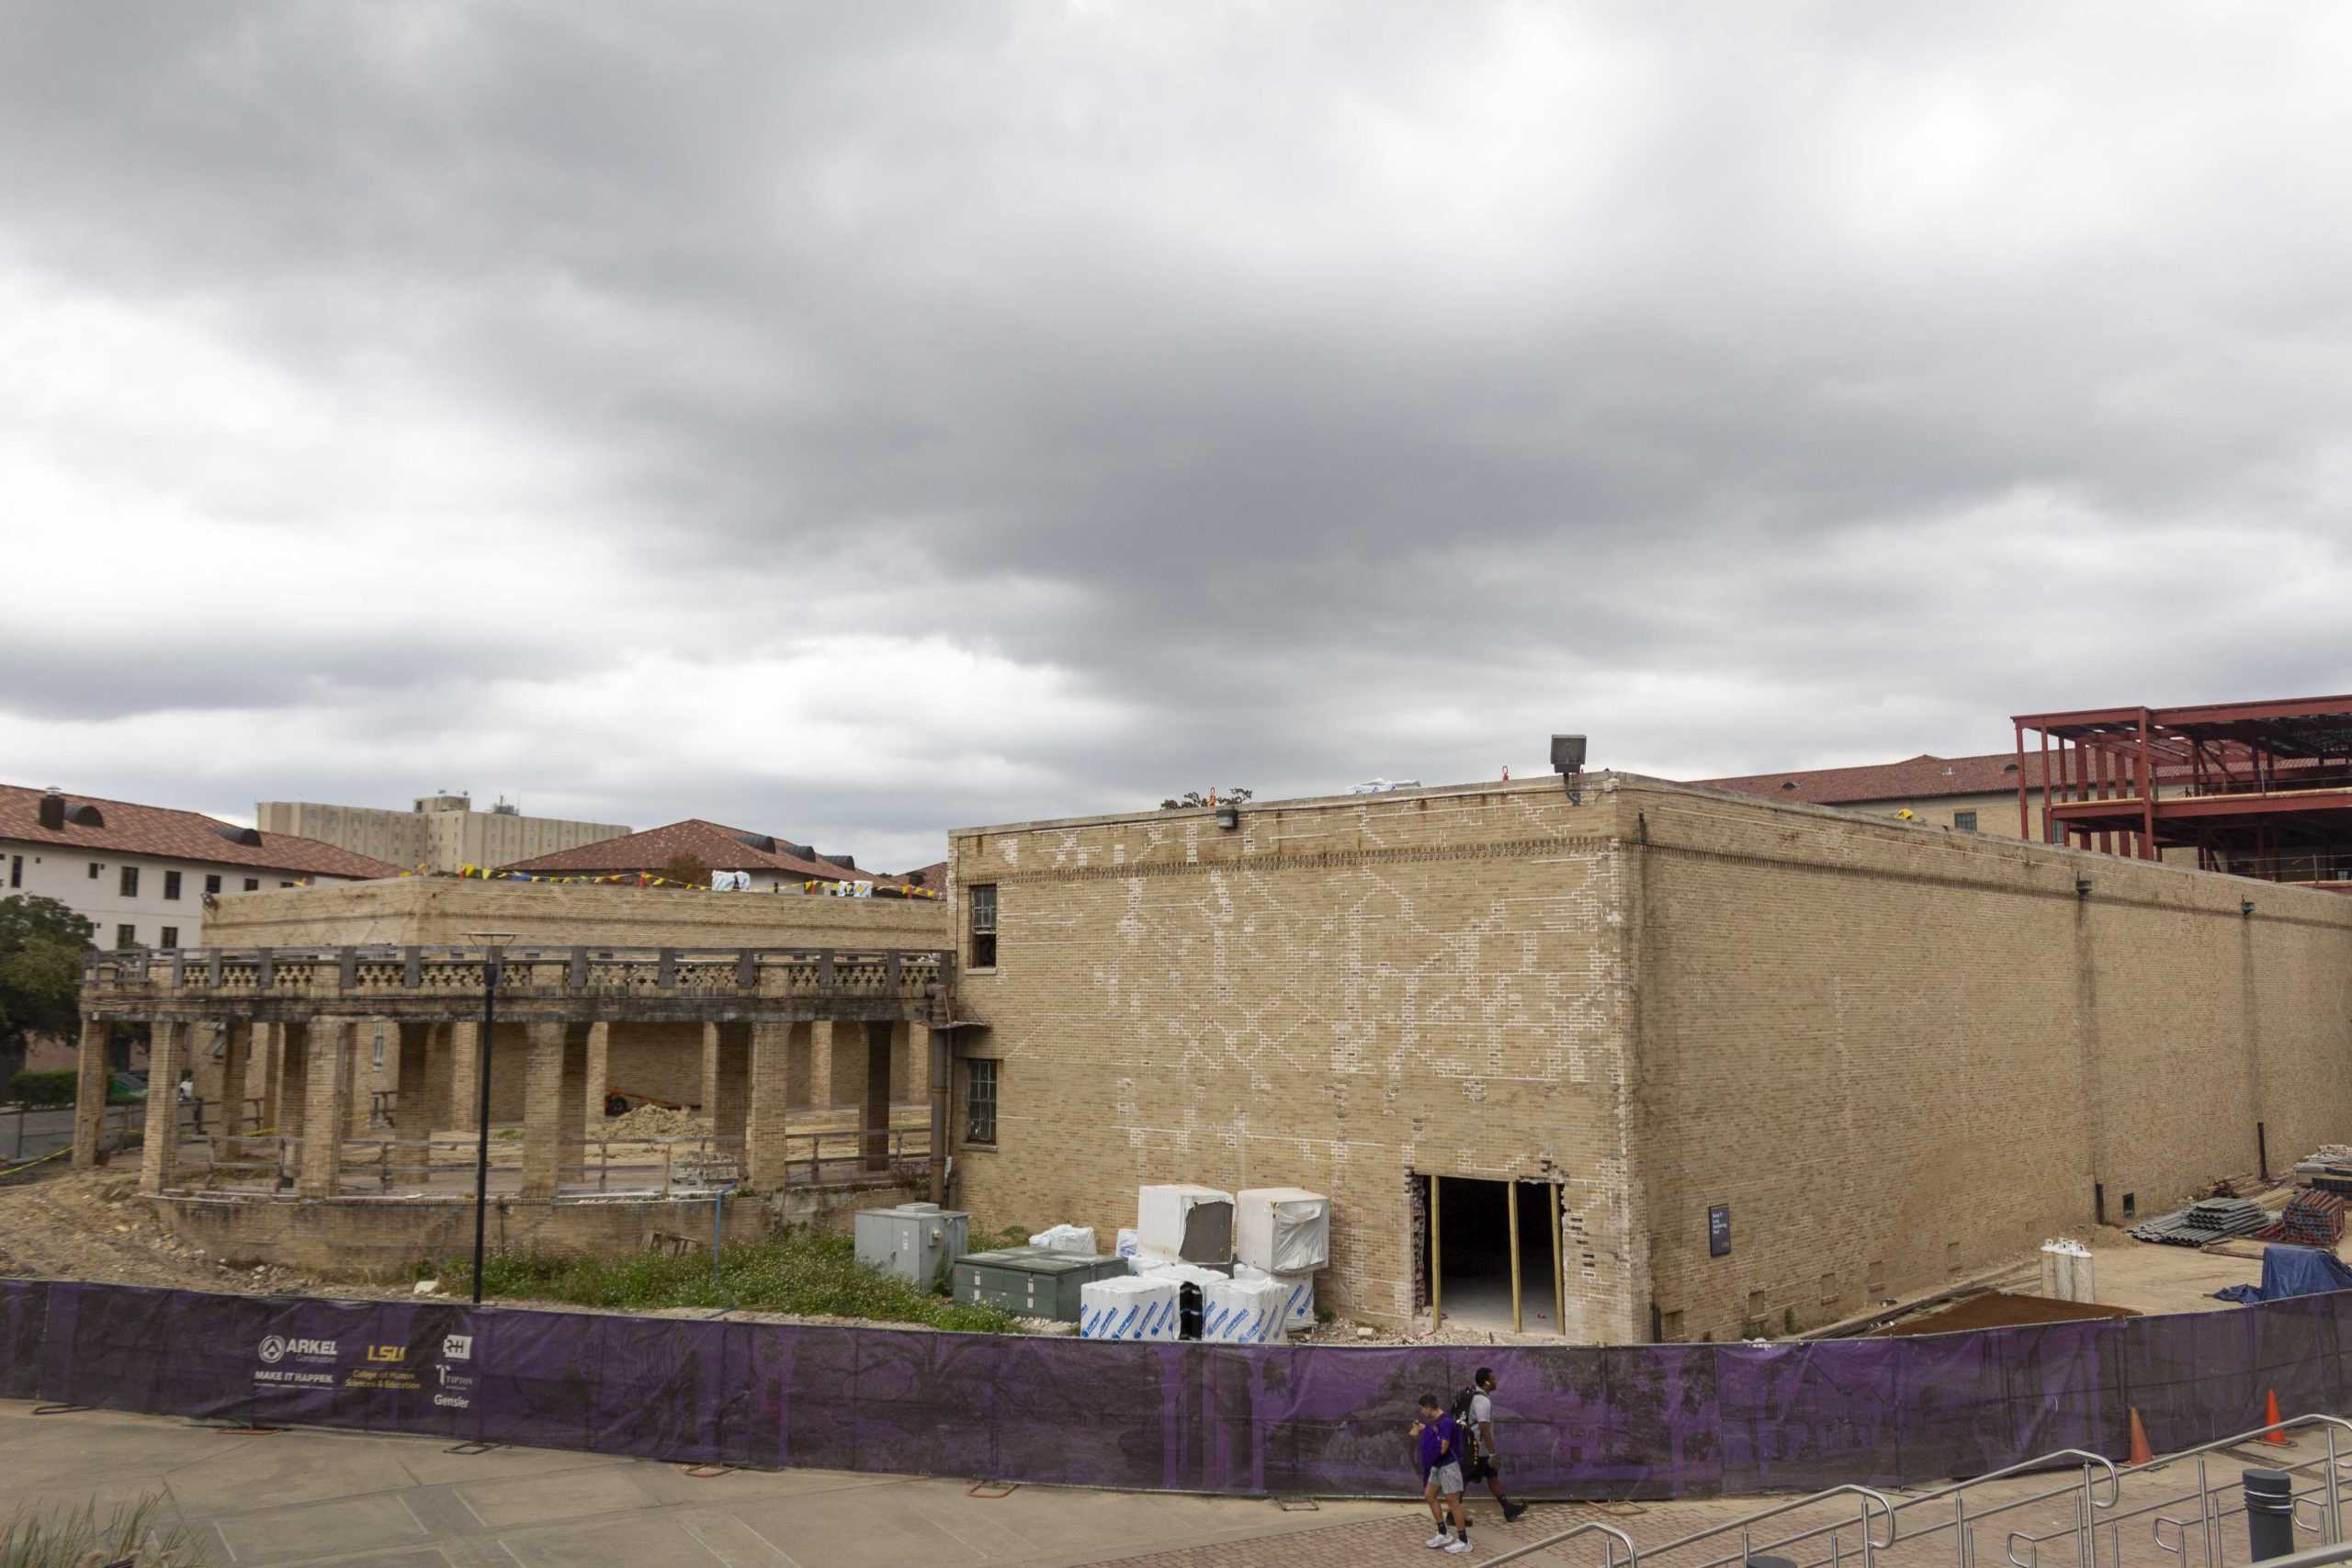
{"x": 2259, "y": 789}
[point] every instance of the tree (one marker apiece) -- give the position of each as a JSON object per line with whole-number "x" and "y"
{"x": 686, "y": 867}
{"x": 1194, "y": 797}
{"x": 42, "y": 943}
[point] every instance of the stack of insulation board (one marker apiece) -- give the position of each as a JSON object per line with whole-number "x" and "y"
{"x": 1241, "y": 1312}
{"x": 1284, "y": 1234}
{"x": 1135, "y": 1307}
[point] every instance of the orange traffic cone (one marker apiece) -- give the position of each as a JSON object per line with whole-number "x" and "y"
{"x": 2141, "y": 1452}
{"x": 2274, "y": 1435}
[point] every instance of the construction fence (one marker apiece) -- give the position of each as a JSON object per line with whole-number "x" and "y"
{"x": 1632, "y": 1422}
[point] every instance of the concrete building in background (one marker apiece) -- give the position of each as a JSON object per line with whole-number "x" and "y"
{"x": 1739, "y": 1066}
{"x": 443, "y": 833}
{"x": 1975, "y": 795}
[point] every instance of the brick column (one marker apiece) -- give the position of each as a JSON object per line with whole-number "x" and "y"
{"x": 264, "y": 1073}
{"x": 442, "y": 1090}
{"x": 412, "y": 1105}
{"x": 90, "y": 1090}
{"x": 236, "y": 1057}
{"x": 914, "y": 1088}
{"x": 204, "y": 1040}
{"x": 820, "y": 1066}
{"x": 542, "y": 1109}
{"x": 326, "y": 1095}
{"x": 293, "y": 1061}
{"x": 875, "y": 1094}
{"x": 726, "y": 1078}
{"x": 766, "y": 1147}
{"x": 571, "y": 1124}
{"x": 597, "y": 1081}
{"x": 465, "y": 1076}
{"x": 166, "y": 1052}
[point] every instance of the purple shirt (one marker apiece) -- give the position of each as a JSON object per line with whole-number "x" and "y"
{"x": 1441, "y": 1444}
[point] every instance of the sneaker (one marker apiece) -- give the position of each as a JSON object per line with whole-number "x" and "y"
{"x": 1511, "y": 1512}
{"x": 1439, "y": 1539}
{"x": 1457, "y": 1545}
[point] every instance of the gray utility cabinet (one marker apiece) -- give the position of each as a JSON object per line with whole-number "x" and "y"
{"x": 913, "y": 1241}
{"x": 1031, "y": 1281}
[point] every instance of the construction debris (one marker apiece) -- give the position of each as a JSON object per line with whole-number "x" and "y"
{"x": 2204, "y": 1221}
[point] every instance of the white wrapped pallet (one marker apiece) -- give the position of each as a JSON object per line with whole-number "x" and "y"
{"x": 1066, "y": 1238}
{"x": 1241, "y": 1312}
{"x": 1284, "y": 1230}
{"x": 1298, "y": 1295}
{"x": 1129, "y": 1307}
{"x": 1126, "y": 1248}
{"x": 1176, "y": 1220}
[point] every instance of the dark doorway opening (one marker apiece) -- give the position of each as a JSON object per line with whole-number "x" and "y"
{"x": 875, "y": 1117}
{"x": 1468, "y": 1241}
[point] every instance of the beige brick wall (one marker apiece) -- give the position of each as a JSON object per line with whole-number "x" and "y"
{"x": 1333, "y": 996}
{"x": 439, "y": 911}
{"x": 1898, "y": 1053}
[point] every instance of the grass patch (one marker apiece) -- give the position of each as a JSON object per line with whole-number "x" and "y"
{"x": 65, "y": 1537}
{"x": 795, "y": 1273}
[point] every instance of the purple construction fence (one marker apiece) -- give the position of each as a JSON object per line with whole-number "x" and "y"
{"x": 1634, "y": 1421}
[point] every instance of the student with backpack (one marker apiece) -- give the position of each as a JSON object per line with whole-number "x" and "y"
{"x": 1440, "y": 1456}
{"x": 1475, "y": 1411}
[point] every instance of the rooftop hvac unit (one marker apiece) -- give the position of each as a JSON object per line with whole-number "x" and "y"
{"x": 1282, "y": 1230}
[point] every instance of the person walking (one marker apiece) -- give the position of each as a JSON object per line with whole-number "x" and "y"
{"x": 1482, "y": 1465}
{"x": 1440, "y": 1456}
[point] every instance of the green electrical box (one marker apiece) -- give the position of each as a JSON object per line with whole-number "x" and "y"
{"x": 1031, "y": 1281}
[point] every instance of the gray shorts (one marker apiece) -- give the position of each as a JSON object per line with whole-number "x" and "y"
{"x": 1446, "y": 1479}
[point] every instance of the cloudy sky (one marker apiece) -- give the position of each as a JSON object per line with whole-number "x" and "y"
{"x": 855, "y": 421}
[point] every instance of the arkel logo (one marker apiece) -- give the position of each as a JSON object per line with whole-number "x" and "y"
{"x": 275, "y": 1350}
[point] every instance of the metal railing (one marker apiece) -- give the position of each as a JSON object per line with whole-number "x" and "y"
{"x": 2095, "y": 1497}
{"x": 872, "y": 1150}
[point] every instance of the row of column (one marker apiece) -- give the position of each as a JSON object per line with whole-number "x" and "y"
{"x": 753, "y": 1075}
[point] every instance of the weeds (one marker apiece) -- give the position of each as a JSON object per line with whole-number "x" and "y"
{"x": 37, "y": 1538}
{"x": 796, "y": 1272}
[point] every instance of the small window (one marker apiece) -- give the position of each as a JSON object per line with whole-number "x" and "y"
{"x": 979, "y": 1101}
{"x": 1964, "y": 820}
{"x": 379, "y": 1044}
{"x": 96, "y": 870}
{"x": 126, "y": 936}
{"x": 253, "y": 883}
{"x": 131, "y": 882}
{"x": 212, "y": 882}
{"x": 16, "y": 871}
{"x": 171, "y": 937}
{"x": 984, "y": 925}
{"x": 171, "y": 884}
{"x": 286, "y": 884}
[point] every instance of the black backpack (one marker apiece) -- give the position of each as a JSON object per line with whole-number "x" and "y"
{"x": 1461, "y": 1413}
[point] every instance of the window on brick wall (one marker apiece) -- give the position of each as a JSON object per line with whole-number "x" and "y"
{"x": 129, "y": 882}
{"x": 126, "y": 936}
{"x": 253, "y": 883}
{"x": 171, "y": 884}
{"x": 171, "y": 937}
{"x": 979, "y": 1101}
{"x": 1964, "y": 820}
{"x": 211, "y": 883}
{"x": 983, "y": 907}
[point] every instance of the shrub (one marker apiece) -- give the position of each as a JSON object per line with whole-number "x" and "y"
{"x": 45, "y": 1089}
{"x": 795, "y": 1273}
{"x": 55, "y": 1537}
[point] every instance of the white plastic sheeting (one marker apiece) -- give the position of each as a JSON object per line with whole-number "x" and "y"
{"x": 1129, "y": 1306}
{"x": 1177, "y": 1220}
{"x": 1241, "y": 1312}
{"x": 1066, "y": 1238}
{"x": 1298, "y": 1295}
{"x": 1128, "y": 1246}
{"x": 1282, "y": 1230}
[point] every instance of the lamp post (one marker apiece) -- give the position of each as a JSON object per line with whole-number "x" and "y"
{"x": 492, "y": 942}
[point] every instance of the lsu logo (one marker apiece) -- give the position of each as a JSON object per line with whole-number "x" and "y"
{"x": 387, "y": 1353}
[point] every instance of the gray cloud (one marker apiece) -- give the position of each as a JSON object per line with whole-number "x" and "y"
{"x": 1203, "y": 395}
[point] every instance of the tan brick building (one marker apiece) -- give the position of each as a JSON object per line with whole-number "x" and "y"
{"x": 1887, "y": 1052}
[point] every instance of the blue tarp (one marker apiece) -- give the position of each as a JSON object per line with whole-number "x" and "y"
{"x": 2292, "y": 1272}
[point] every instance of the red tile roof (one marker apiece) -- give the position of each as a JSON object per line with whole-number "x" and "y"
{"x": 128, "y": 829}
{"x": 715, "y": 844}
{"x": 1924, "y": 777}
{"x": 933, "y": 876}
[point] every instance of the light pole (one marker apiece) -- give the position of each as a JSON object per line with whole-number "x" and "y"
{"x": 492, "y": 942}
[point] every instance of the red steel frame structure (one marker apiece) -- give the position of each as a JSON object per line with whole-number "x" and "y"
{"x": 2256, "y": 788}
